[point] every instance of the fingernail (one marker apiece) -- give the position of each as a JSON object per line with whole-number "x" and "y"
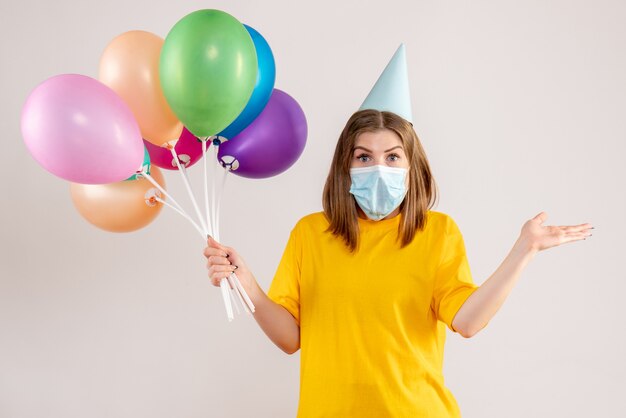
{"x": 236, "y": 267}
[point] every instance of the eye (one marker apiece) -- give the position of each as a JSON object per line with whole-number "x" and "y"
{"x": 363, "y": 158}
{"x": 393, "y": 157}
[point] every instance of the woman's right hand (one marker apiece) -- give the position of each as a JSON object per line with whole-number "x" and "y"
{"x": 222, "y": 261}
{"x": 276, "y": 321}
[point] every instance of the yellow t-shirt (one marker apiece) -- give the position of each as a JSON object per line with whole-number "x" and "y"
{"x": 373, "y": 322}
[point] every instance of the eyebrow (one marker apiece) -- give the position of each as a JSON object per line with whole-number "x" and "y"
{"x": 369, "y": 150}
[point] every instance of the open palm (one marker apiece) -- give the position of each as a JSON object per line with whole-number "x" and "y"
{"x": 539, "y": 237}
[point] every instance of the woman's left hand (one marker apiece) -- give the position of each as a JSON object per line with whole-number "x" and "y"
{"x": 536, "y": 237}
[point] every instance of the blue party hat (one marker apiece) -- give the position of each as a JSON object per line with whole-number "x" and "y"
{"x": 391, "y": 92}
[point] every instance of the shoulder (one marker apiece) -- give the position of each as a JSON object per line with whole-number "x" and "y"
{"x": 309, "y": 228}
{"x": 316, "y": 221}
{"x": 441, "y": 223}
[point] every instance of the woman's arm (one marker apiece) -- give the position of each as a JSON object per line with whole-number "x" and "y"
{"x": 483, "y": 304}
{"x": 276, "y": 321}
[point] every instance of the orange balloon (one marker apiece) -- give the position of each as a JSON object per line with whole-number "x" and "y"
{"x": 130, "y": 66}
{"x": 119, "y": 207}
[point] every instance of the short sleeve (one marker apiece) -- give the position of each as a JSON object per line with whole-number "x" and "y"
{"x": 285, "y": 287}
{"x": 453, "y": 279}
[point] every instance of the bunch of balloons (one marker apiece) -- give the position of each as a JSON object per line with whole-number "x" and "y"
{"x": 164, "y": 103}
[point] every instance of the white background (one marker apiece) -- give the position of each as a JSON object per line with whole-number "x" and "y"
{"x": 520, "y": 107}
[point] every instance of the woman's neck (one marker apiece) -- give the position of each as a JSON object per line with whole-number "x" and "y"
{"x": 362, "y": 214}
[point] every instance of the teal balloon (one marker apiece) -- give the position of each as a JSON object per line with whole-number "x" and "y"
{"x": 208, "y": 70}
{"x": 144, "y": 166}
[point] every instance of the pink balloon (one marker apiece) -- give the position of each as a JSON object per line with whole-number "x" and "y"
{"x": 188, "y": 147}
{"x": 80, "y": 130}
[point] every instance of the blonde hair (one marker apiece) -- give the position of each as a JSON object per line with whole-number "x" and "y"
{"x": 340, "y": 207}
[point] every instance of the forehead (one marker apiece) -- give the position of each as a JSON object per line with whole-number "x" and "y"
{"x": 378, "y": 141}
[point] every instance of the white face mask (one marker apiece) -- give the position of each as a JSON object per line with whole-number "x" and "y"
{"x": 378, "y": 189}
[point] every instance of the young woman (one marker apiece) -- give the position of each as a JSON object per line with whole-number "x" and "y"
{"x": 367, "y": 287}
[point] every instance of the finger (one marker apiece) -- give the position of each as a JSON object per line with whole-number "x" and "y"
{"x": 216, "y": 278}
{"x": 221, "y": 269}
{"x": 576, "y": 230}
{"x": 227, "y": 250}
{"x": 210, "y": 251}
{"x": 218, "y": 259}
{"x": 217, "y": 267}
{"x": 572, "y": 238}
{"x": 541, "y": 217}
{"x": 219, "y": 276}
{"x": 212, "y": 243}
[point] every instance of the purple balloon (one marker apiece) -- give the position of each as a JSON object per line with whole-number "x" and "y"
{"x": 271, "y": 143}
{"x": 188, "y": 147}
{"x": 82, "y": 131}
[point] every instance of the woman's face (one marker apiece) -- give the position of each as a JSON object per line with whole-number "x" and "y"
{"x": 383, "y": 147}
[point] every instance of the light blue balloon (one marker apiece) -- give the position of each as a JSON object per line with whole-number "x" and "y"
{"x": 266, "y": 76}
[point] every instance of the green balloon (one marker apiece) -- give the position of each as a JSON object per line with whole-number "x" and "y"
{"x": 208, "y": 70}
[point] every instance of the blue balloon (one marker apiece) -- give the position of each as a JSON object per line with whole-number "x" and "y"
{"x": 266, "y": 75}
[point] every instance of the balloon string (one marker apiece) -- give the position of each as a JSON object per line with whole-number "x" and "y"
{"x": 233, "y": 292}
{"x": 206, "y": 190}
{"x": 144, "y": 173}
{"x": 184, "y": 215}
{"x": 213, "y": 218}
{"x": 243, "y": 292}
{"x": 183, "y": 173}
{"x": 236, "y": 291}
{"x": 219, "y": 201}
{"x": 224, "y": 287}
{"x": 244, "y": 299}
{"x": 226, "y": 296}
